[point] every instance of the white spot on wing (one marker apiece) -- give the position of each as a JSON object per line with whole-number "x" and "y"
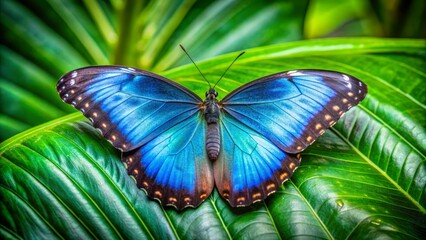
{"x": 295, "y": 73}
{"x": 127, "y": 69}
{"x": 74, "y": 74}
{"x": 345, "y": 77}
{"x": 72, "y": 81}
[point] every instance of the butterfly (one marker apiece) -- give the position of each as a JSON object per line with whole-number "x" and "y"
{"x": 178, "y": 146}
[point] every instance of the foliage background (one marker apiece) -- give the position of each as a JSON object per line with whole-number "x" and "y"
{"x": 350, "y": 184}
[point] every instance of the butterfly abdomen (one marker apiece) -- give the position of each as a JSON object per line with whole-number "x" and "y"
{"x": 213, "y": 141}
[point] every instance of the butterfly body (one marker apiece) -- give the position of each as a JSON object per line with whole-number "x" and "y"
{"x": 177, "y": 147}
{"x": 211, "y": 115}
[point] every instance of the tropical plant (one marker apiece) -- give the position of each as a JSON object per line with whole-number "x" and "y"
{"x": 365, "y": 178}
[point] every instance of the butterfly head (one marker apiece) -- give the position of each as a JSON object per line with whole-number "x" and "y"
{"x": 211, "y": 94}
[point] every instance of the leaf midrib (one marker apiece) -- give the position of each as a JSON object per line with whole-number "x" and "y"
{"x": 378, "y": 169}
{"x": 313, "y": 212}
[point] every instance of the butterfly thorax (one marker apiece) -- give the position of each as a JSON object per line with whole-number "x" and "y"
{"x": 211, "y": 114}
{"x": 211, "y": 107}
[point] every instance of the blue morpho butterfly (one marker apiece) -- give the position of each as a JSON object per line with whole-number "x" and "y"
{"x": 177, "y": 146}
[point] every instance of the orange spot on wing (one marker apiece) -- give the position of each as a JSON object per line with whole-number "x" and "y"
{"x": 158, "y": 194}
{"x": 283, "y": 176}
{"x": 270, "y": 186}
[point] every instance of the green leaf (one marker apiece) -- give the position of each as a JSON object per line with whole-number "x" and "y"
{"x": 50, "y": 190}
{"x": 364, "y": 178}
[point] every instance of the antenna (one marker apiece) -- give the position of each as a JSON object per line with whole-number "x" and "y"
{"x": 194, "y": 64}
{"x": 239, "y": 55}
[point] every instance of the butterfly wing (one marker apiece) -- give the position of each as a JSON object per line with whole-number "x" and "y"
{"x": 249, "y": 167}
{"x": 265, "y": 122}
{"x": 174, "y": 167}
{"x": 154, "y": 121}
{"x": 130, "y": 107}
{"x": 292, "y": 109}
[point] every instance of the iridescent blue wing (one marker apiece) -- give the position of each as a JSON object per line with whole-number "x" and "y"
{"x": 143, "y": 115}
{"x": 292, "y": 109}
{"x": 249, "y": 167}
{"x": 174, "y": 167}
{"x": 265, "y": 122}
{"x": 130, "y": 107}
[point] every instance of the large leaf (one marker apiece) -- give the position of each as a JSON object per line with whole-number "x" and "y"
{"x": 41, "y": 40}
{"x": 365, "y": 178}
